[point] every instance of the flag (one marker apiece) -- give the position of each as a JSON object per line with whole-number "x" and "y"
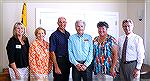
{"x": 24, "y": 15}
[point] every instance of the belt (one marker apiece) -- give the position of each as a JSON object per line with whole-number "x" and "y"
{"x": 128, "y": 62}
{"x": 82, "y": 62}
{"x": 60, "y": 56}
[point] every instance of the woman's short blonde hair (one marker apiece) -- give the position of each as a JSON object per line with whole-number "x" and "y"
{"x": 39, "y": 28}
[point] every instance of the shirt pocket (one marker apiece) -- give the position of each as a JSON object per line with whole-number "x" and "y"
{"x": 85, "y": 45}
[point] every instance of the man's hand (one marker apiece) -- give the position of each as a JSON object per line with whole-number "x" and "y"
{"x": 57, "y": 70}
{"x": 135, "y": 72}
{"x": 81, "y": 67}
{"x": 78, "y": 66}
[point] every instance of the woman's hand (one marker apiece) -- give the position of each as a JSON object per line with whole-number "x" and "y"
{"x": 17, "y": 75}
{"x": 112, "y": 72}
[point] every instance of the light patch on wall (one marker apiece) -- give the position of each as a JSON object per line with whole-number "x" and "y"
{"x": 47, "y": 18}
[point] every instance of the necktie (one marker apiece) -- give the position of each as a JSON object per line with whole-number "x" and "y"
{"x": 124, "y": 49}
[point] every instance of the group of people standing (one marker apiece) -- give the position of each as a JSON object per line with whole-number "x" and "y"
{"x": 78, "y": 51}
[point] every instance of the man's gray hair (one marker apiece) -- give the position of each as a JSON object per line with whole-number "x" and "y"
{"x": 79, "y": 21}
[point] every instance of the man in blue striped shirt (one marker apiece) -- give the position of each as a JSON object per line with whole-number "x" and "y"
{"x": 80, "y": 49}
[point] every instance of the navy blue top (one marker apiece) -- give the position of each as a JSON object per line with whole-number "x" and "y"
{"x": 17, "y": 52}
{"x": 59, "y": 42}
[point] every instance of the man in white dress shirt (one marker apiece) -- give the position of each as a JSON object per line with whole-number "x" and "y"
{"x": 132, "y": 54}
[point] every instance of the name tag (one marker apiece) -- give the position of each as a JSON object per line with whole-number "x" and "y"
{"x": 86, "y": 40}
{"x": 18, "y": 46}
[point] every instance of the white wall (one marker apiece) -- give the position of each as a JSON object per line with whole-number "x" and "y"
{"x": 114, "y": 7}
{"x": 147, "y": 30}
{"x": 142, "y": 28}
{"x": 1, "y": 34}
{"x": 12, "y": 13}
{"x": 135, "y": 11}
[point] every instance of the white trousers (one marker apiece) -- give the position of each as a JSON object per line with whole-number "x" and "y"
{"x": 41, "y": 77}
{"x": 24, "y": 74}
{"x": 103, "y": 78}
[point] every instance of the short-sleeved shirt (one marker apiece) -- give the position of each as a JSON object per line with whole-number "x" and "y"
{"x": 59, "y": 42}
{"x": 103, "y": 55}
{"x": 17, "y": 52}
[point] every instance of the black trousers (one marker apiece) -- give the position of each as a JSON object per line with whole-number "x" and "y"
{"x": 85, "y": 75}
{"x": 64, "y": 65}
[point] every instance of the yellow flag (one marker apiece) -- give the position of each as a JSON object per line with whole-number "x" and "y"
{"x": 24, "y": 15}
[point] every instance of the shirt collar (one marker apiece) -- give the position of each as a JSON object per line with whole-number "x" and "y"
{"x": 131, "y": 34}
{"x": 60, "y": 31}
{"x": 79, "y": 35}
